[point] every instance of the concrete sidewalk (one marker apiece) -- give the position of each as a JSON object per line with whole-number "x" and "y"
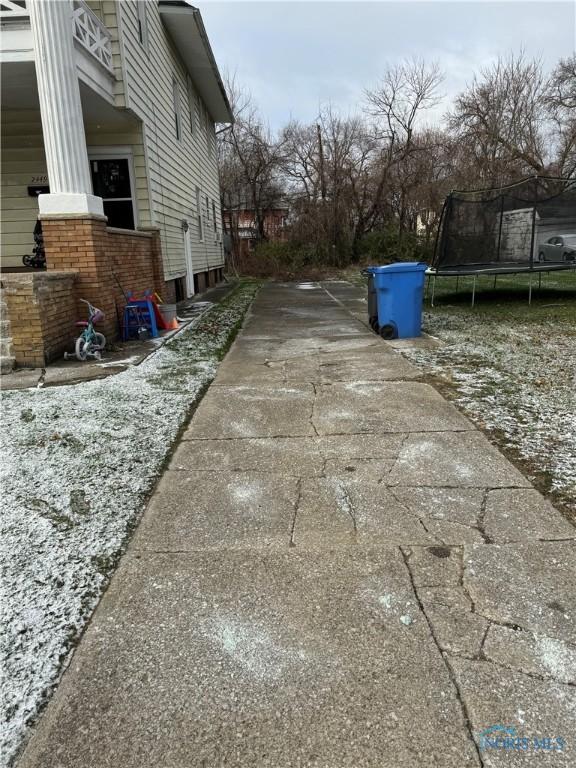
{"x": 337, "y": 569}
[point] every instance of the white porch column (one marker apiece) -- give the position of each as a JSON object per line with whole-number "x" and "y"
{"x": 61, "y": 112}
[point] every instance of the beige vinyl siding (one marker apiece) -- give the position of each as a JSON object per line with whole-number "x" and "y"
{"x": 175, "y": 168}
{"x": 106, "y": 10}
{"x": 23, "y": 161}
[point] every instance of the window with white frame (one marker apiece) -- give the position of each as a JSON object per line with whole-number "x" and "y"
{"x": 209, "y": 134}
{"x": 177, "y": 114}
{"x": 191, "y": 106}
{"x": 142, "y": 23}
{"x": 198, "y": 106}
{"x": 199, "y": 215}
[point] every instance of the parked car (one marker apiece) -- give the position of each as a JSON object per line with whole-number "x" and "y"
{"x": 559, "y": 248}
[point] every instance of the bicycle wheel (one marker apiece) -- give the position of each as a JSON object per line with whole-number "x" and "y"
{"x": 81, "y": 349}
{"x": 99, "y": 341}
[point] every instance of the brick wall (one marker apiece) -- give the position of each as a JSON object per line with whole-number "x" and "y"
{"x": 105, "y": 259}
{"x": 134, "y": 263}
{"x": 41, "y": 307}
{"x": 85, "y": 260}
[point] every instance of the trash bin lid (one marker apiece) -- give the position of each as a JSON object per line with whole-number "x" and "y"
{"x": 400, "y": 266}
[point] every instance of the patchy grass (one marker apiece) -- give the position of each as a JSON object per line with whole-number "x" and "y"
{"x": 77, "y": 466}
{"x": 512, "y": 368}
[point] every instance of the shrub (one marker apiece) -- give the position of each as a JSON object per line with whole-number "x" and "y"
{"x": 385, "y": 246}
{"x": 283, "y": 260}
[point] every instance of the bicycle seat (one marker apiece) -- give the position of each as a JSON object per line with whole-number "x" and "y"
{"x": 82, "y": 324}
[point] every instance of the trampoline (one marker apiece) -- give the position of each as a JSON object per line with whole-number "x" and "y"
{"x": 505, "y": 231}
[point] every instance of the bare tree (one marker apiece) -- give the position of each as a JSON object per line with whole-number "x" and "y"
{"x": 560, "y": 99}
{"x": 249, "y": 161}
{"x": 501, "y": 117}
{"x": 386, "y": 171}
{"x": 396, "y": 106}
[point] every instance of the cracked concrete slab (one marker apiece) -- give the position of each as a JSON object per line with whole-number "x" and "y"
{"x": 361, "y": 446}
{"x": 531, "y": 653}
{"x": 462, "y": 459}
{"x": 325, "y": 367}
{"x": 319, "y": 519}
{"x": 198, "y": 510}
{"x": 249, "y": 372}
{"x": 365, "y": 471}
{"x": 365, "y": 365}
{"x": 529, "y": 585}
{"x": 384, "y": 407}
{"x": 335, "y": 510}
{"x": 256, "y": 660}
{"x": 285, "y": 349}
{"x": 434, "y": 566}
{"x": 278, "y": 328}
{"x": 450, "y": 514}
{"x": 456, "y": 628}
{"x": 517, "y": 515}
{"x": 296, "y": 456}
{"x": 265, "y": 411}
{"x": 379, "y": 516}
{"x": 534, "y": 709}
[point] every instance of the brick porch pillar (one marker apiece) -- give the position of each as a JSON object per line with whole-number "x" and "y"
{"x": 80, "y": 245}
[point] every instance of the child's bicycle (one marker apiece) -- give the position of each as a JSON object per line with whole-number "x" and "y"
{"x": 90, "y": 343}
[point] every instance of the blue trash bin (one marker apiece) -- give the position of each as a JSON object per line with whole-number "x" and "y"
{"x": 399, "y": 293}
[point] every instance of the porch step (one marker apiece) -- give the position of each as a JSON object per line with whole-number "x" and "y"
{"x": 7, "y": 359}
{"x": 7, "y": 364}
{"x": 5, "y": 346}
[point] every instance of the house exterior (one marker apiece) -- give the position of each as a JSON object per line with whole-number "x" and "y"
{"x": 108, "y": 123}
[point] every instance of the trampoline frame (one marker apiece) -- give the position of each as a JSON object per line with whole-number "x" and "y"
{"x": 537, "y": 267}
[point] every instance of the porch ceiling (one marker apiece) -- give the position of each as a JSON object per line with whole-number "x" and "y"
{"x": 20, "y": 92}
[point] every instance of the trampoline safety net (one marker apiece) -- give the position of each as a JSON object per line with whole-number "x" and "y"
{"x": 507, "y": 227}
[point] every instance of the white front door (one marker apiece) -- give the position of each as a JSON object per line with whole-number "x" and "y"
{"x": 189, "y": 266}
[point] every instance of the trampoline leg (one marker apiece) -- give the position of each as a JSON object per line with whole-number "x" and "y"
{"x": 495, "y": 276}
{"x": 433, "y": 290}
{"x": 530, "y": 291}
{"x": 474, "y": 291}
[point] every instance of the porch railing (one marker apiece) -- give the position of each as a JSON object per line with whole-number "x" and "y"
{"x": 13, "y": 9}
{"x": 92, "y": 34}
{"x": 87, "y": 28}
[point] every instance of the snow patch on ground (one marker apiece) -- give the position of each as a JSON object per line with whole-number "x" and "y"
{"x": 557, "y": 658}
{"x": 516, "y": 379}
{"x": 76, "y": 465}
{"x": 255, "y": 650}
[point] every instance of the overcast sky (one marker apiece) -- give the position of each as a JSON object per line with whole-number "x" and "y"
{"x": 294, "y": 56}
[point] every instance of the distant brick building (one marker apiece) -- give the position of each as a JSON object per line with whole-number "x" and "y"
{"x": 240, "y": 225}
